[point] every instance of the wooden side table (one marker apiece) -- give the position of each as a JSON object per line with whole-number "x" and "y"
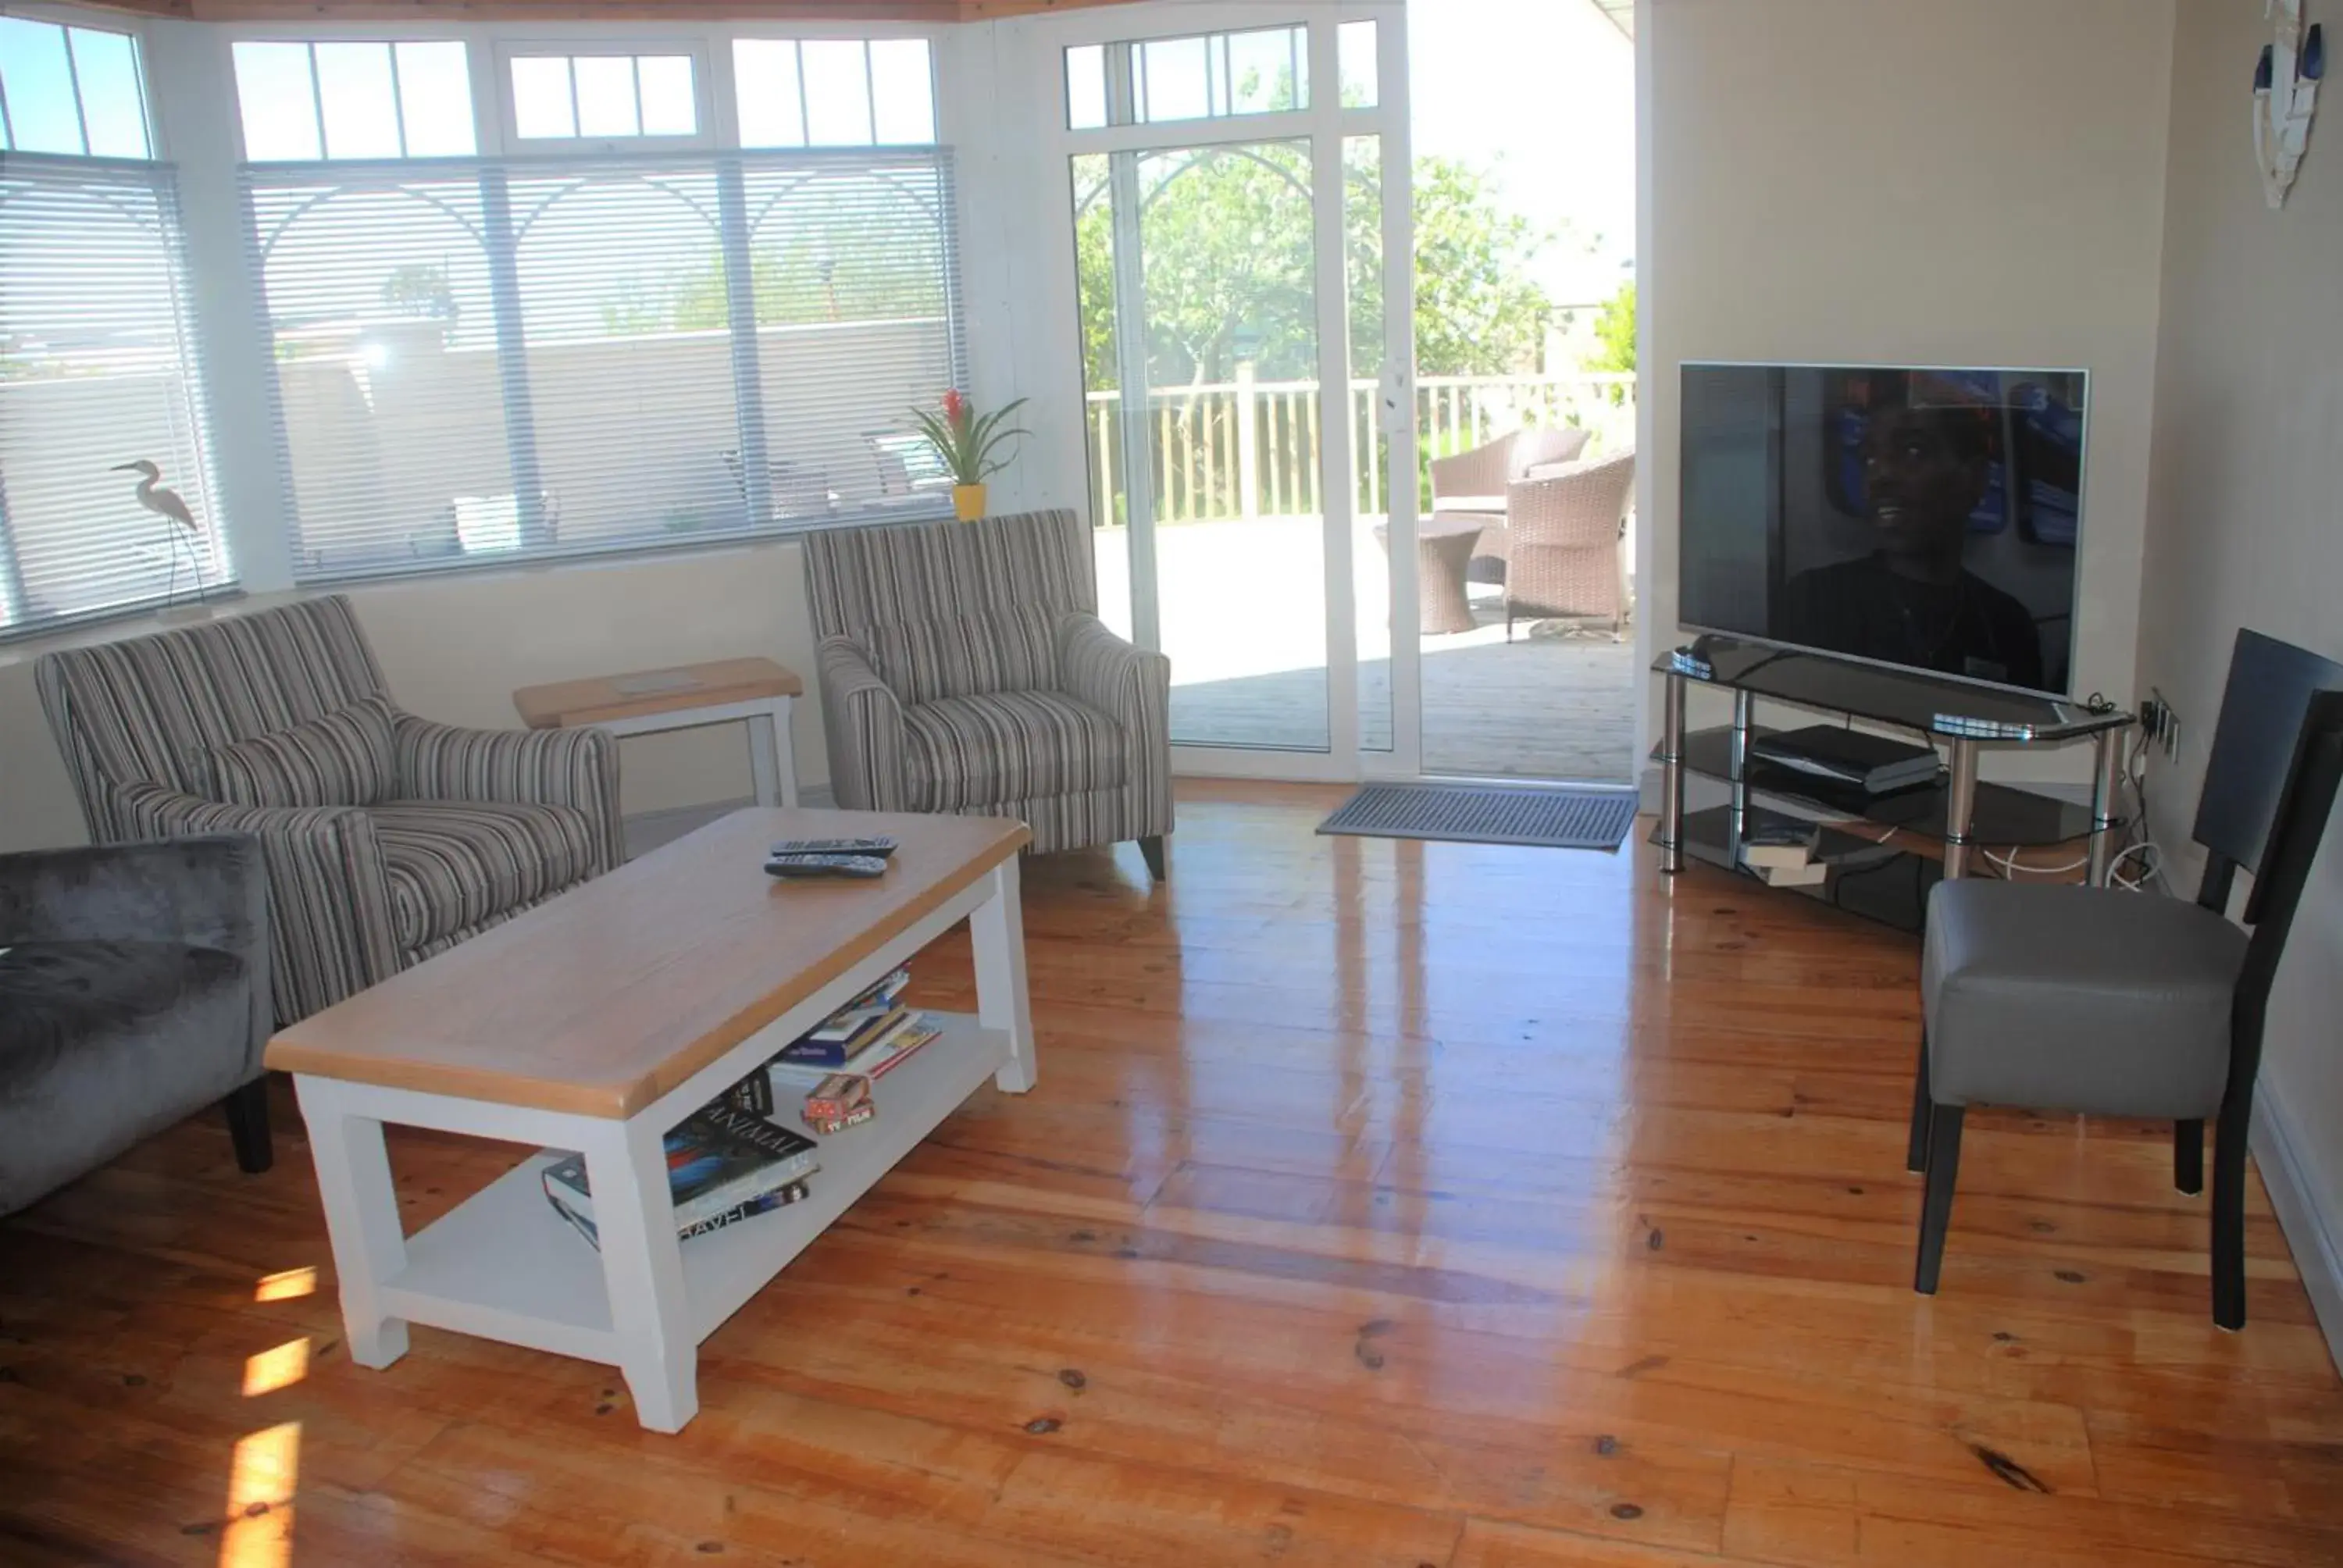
{"x": 757, "y": 691}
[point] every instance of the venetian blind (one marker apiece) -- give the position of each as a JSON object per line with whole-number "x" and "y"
{"x": 485, "y": 361}
{"x": 98, "y": 369}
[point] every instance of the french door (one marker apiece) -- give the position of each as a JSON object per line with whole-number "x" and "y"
{"x": 1238, "y": 211}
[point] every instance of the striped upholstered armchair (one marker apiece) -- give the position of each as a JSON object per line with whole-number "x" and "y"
{"x": 387, "y": 837}
{"x": 964, "y": 669}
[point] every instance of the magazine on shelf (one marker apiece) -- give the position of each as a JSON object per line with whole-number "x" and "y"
{"x": 765, "y": 1204}
{"x": 881, "y": 1058}
{"x": 717, "y": 1159}
{"x": 814, "y": 1052}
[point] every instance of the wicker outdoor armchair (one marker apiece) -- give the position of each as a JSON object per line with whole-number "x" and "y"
{"x": 1472, "y": 486}
{"x": 1566, "y": 544}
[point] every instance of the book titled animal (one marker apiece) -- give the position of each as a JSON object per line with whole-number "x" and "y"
{"x": 718, "y": 1159}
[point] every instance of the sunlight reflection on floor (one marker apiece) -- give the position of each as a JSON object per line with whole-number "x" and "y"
{"x": 271, "y": 1370}
{"x": 286, "y": 1285}
{"x": 260, "y": 1485}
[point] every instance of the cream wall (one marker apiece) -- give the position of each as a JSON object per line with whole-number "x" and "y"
{"x": 455, "y": 648}
{"x": 2245, "y": 529}
{"x": 1930, "y": 182}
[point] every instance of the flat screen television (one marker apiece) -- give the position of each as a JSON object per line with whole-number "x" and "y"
{"x": 1917, "y": 517}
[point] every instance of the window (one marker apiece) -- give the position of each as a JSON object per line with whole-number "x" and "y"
{"x": 71, "y": 90}
{"x": 1358, "y": 48}
{"x": 1209, "y": 76}
{"x": 509, "y": 361}
{"x": 835, "y": 91}
{"x": 305, "y": 102}
{"x": 604, "y": 97}
{"x": 97, "y": 370}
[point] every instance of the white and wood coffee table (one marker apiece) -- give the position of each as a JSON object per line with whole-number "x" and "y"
{"x": 598, "y": 1021}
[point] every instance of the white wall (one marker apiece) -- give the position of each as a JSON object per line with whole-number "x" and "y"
{"x": 2245, "y": 529}
{"x": 1929, "y": 182}
{"x": 454, "y": 648}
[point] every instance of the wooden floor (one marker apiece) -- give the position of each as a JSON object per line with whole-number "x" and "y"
{"x": 1380, "y": 1203}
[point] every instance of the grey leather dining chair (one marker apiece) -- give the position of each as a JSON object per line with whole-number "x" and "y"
{"x": 2115, "y": 1003}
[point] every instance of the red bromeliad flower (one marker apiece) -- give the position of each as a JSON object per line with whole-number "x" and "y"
{"x": 969, "y": 445}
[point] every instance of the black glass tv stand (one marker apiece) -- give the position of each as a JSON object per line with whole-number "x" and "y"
{"x": 1884, "y": 852}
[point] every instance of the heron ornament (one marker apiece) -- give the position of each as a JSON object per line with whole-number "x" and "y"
{"x": 168, "y": 505}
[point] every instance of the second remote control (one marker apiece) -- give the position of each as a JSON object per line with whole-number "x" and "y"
{"x": 859, "y": 866}
{"x": 879, "y": 846}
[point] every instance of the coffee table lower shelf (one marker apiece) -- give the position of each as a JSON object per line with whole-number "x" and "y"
{"x": 503, "y": 1265}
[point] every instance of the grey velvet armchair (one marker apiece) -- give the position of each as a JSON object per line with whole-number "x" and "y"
{"x": 964, "y": 669}
{"x": 133, "y": 990}
{"x": 389, "y": 838}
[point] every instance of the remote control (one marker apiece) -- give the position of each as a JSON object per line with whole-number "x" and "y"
{"x": 858, "y": 866}
{"x": 879, "y": 846}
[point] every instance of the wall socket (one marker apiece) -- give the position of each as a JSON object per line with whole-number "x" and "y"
{"x": 2162, "y": 725}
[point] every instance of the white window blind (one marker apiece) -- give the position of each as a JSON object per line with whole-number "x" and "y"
{"x": 97, "y": 370}
{"x": 506, "y": 361}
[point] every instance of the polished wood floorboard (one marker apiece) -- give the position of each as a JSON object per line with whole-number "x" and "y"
{"x": 1380, "y": 1203}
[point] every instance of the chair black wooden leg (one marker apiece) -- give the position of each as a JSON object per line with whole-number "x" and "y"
{"x": 1151, "y": 850}
{"x": 247, "y": 1126}
{"x": 1915, "y": 1156}
{"x": 2230, "y": 1216}
{"x": 1936, "y": 1208}
{"x": 2189, "y": 1156}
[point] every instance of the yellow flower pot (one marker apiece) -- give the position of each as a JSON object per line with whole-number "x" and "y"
{"x": 967, "y": 501}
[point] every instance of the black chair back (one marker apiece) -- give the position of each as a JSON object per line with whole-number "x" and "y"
{"x": 2254, "y": 742}
{"x": 2304, "y": 805}
{"x": 2305, "y": 800}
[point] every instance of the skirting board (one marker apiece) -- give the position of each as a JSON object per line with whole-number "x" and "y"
{"x": 2308, "y": 1237}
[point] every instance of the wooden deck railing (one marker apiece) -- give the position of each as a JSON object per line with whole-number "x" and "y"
{"x": 1249, "y": 448}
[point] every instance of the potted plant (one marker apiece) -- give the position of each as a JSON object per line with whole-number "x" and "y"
{"x": 968, "y": 445}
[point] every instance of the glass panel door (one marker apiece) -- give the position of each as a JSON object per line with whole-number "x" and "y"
{"x": 1198, "y": 270}
{"x": 1240, "y": 234}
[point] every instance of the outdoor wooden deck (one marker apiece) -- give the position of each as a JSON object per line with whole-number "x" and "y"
{"x": 1244, "y": 613}
{"x": 1547, "y": 706}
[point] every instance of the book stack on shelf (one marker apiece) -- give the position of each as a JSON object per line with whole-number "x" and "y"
{"x": 732, "y": 1159}
{"x": 832, "y": 1069}
{"x": 724, "y": 1165}
{"x": 1783, "y": 853}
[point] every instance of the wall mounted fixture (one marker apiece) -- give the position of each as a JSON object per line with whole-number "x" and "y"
{"x": 2285, "y": 95}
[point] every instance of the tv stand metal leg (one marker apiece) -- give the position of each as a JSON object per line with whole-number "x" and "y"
{"x": 1672, "y": 743}
{"x": 1737, "y": 816}
{"x": 1960, "y": 809}
{"x": 2107, "y": 780}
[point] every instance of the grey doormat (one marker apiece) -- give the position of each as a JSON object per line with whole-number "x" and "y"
{"x": 1565, "y": 816}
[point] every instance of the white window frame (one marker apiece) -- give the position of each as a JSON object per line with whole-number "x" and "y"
{"x": 703, "y": 96}
{"x": 227, "y": 541}
{"x": 128, "y": 25}
{"x": 866, "y": 36}
{"x": 491, "y": 49}
{"x": 347, "y": 33}
{"x": 328, "y": 32}
{"x": 873, "y": 32}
